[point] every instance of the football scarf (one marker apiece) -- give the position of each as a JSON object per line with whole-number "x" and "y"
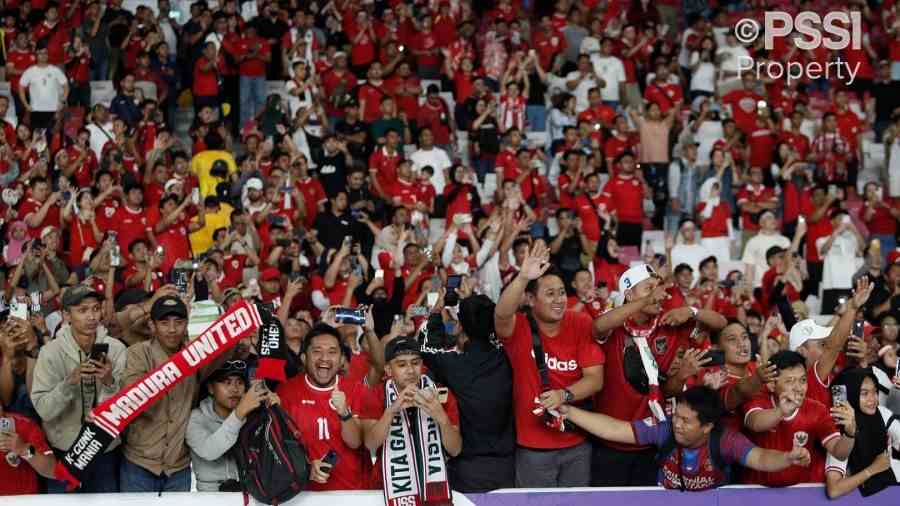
{"x": 412, "y": 461}
{"x": 639, "y": 336}
{"x": 110, "y": 418}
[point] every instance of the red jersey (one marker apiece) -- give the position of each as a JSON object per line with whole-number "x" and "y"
{"x": 81, "y": 237}
{"x": 336, "y": 83}
{"x": 811, "y": 424}
{"x": 619, "y": 398}
{"x": 882, "y": 221}
{"x": 174, "y": 240}
{"x": 383, "y": 166}
{"x": 426, "y": 41}
{"x": 371, "y": 94}
{"x": 754, "y": 195}
{"x": 20, "y": 60}
{"x": 798, "y": 141}
{"x": 567, "y": 353}
{"x": 626, "y": 197}
{"x": 402, "y": 90}
{"x": 590, "y": 222}
{"x": 743, "y": 108}
{"x": 57, "y": 38}
{"x": 253, "y": 66}
{"x": 320, "y": 429}
{"x": 313, "y": 194}
{"x": 206, "y": 82}
{"x": 157, "y": 278}
{"x": 600, "y": 115}
{"x": 761, "y": 141}
{"x": 435, "y": 116}
{"x": 717, "y": 223}
{"x": 664, "y": 95}
{"x": 233, "y": 270}
{"x": 815, "y": 230}
{"x": 31, "y": 206}
{"x": 403, "y": 193}
{"x": 129, "y": 226}
{"x": 22, "y": 479}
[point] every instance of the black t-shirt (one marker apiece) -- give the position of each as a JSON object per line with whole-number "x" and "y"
{"x": 488, "y": 136}
{"x": 332, "y": 173}
{"x": 481, "y": 380}
{"x": 536, "y": 90}
{"x": 568, "y": 258}
{"x": 886, "y": 100}
{"x": 332, "y": 229}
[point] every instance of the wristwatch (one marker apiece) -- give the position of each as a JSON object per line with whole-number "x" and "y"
{"x": 568, "y": 395}
{"x": 346, "y": 417}
{"x": 694, "y": 312}
{"x": 29, "y": 453}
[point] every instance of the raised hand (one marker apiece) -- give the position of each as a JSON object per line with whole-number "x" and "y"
{"x": 862, "y": 291}
{"x": 536, "y": 262}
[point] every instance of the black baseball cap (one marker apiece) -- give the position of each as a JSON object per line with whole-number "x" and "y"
{"x": 77, "y": 294}
{"x": 230, "y": 368}
{"x": 402, "y": 345}
{"x": 169, "y": 305}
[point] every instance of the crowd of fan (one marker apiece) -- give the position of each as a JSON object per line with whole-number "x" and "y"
{"x": 509, "y": 155}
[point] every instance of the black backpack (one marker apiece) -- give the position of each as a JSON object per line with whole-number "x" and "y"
{"x": 271, "y": 459}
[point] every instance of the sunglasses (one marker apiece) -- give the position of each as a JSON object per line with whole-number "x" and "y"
{"x": 233, "y": 365}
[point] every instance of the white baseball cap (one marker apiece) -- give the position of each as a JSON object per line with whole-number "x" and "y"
{"x": 254, "y": 183}
{"x": 805, "y": 330}
{"x": 635, "y": 275}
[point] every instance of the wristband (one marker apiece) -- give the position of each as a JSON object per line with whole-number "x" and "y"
{"x": 346, "y": 417}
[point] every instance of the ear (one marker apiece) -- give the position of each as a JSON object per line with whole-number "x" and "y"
{"x": 707, "y": 428}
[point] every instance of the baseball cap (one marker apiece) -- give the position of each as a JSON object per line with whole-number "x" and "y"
{"x": 270, "y": 274}
{"x": 254, "y": 183}
{"x": 403, "y": 345}
{"x": 635, "y": 275}
{"x": 49, "y": 229}
{"x": 77, "y": 294}
{"x": 230, "y": 368}
{"x": 169, "y": 305}
{"x": 893, "y": 257}
{"x": 805, "y": 330}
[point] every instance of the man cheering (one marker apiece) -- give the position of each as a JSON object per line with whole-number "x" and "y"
{"x": 555, "y": 360}
{"x": 323, "y": 405}
{"x": 696, "y": 453}
{"x": 414, "y": 422}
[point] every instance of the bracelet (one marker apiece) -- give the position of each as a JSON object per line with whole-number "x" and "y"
{"x": 346, "y": 417}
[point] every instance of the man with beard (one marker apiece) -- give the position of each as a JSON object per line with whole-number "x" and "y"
{"x": 215, "y": 424}
{"x": 640, "y": 341}
{"x": 572, "y": 371}
{"x": 323, "y": 405}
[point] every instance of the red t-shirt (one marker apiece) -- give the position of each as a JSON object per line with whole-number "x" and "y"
{"x": 811, "y": 427}
{"x": 717, "y": 223}
{"x": 233, "y": 270}
{"x": 31, "y": 206}
{"x": 174, "y": 240}
{"x": 372, "y": 95}
{"x": 384, "y": 167}
{"x": 157, "y": 278}
{"x": 743, "y": 108}
{"x": 626, "y": 196}
{"x": 619, "y": 399}
{"x": 761, "y": 141}
{"x": 882, "y": 221}
{"x": 206, "y": 83}
{"x": 815, "y": 230}
{"x": 753, "y": 195}
{"x": 320, "y": 429}
{"x": 590, "y": 222}
{"x": 129, "y": 226}
{"x": 567, "y": 353}
{"x": 334, "y": 83}
{"x": 256, "y": 66}
{"x": 435, "y": 116}
{"x": 23, "y": 480}
{"x": 20, "y": 60}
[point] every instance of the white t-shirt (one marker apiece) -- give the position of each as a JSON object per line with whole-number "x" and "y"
{"x": 439, "y": 161}
{"x": 45, "y": 87}
{"x": 704, "y": 76}
{"x": 100, "y": 135}
{"x": 755, "y": 253}
{"x": 611, "y": 70}
{"x": 841, "y": 261}
{"x": 581, "y": 91}
{"x": 691, "y": 254}
{"x": 734, "y": 57}
{"x": 834, "y": 464}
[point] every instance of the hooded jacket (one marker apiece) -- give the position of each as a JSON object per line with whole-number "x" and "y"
{"x": 62, "y": 405}
{"x": 210, "y": 437}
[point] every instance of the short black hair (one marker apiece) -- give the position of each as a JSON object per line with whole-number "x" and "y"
{"x": 134, "y": 244}
{"x": 705, "y": 261}
{"x": 533, "y": 284}
{"x": 705, "y": 402}
{"x": 787, "y": 359}
{"x": 683, "y": 267}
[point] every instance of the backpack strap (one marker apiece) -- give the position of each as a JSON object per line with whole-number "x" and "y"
{"x": 715, "y": 438}
{"x": 538, "y": 350}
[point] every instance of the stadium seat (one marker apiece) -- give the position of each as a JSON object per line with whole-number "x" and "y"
{"x": 102, "y": 92}
{"x": 148, "y": 88}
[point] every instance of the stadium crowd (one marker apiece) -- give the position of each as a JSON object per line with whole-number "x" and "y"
{"x": 568, "y": 243}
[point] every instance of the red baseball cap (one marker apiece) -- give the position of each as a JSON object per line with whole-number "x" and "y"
{"x": 893, "y": 258}
{"x": 270, "y": 274}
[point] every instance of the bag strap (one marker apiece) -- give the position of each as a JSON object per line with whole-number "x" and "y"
{"x": 538, "y": 349}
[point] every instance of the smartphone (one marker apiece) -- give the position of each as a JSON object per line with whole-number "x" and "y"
{"x": 180, "y": 280}
{"x": 431, "y": 298}
{"x": 717, "y": 357}
{"x": 453, "y": 282}
{"x": 442, "y": 393}
{"x": 329, "y": 461}
{"x": 115, "y": 258}
{"x": 349, "y": 316}
{"x": 99, "y": 351}
{"x": 838, "y": 394}
{"x": 195, "y": 196}
{"x": 348, "y": 241}
{"x": 416, "y": 311}
{"x": 858, "y": 329}
{"x": 897, "y": 369}
{"x": 17, "y": 309}
{"x": 832, "y": 190}
{"x": 379, "y": 273}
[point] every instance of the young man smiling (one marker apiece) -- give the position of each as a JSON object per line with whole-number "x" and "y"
{"x": 573, "y": 371}
{"x": 323, "y": 405}
{"x": 691, "y": 462}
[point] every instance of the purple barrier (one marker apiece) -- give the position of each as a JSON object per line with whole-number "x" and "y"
{"x": 736, "y": 496}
